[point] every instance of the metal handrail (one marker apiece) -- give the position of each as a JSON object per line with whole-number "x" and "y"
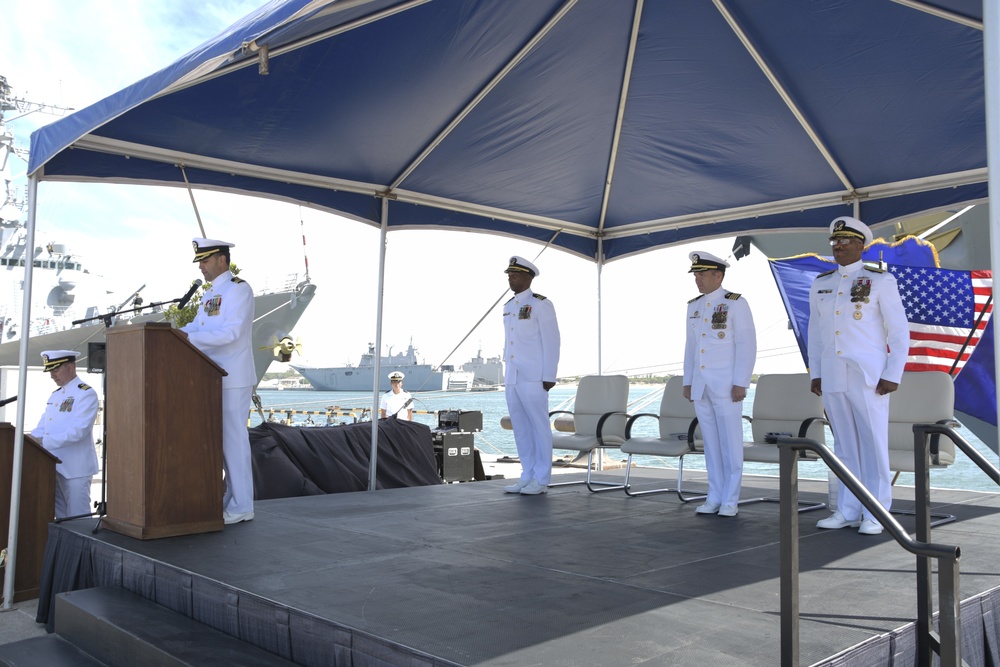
{"x": 948, "y": 645}
{"x": 925, "y": 449}
{"x": 947, "y": 428}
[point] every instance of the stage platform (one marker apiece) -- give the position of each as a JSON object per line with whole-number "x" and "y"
{"x": 463, "y": 574}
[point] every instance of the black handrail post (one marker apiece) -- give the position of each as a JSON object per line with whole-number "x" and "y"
{"x": 950, "y": 647}
{"x": 788, "y": 489}
{"x": 922, "y": 497}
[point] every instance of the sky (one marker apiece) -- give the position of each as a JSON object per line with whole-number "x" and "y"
{"x": 438, "y": 284}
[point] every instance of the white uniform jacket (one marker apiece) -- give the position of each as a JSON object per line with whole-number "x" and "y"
{"x": 222, "y": 329}
{"x": 854, "y": 311}
{"x": 67, "y": 428}
{"x": 393, "y": 403}
{"x": 720, "y": 347}
{"x": 531, "y": 338}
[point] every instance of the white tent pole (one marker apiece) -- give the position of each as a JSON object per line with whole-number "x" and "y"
{"x": 600, "y": 332}
{"x": 22, "y": 388}
{"x": 991, "y": 73}
{"x": 373, "y": 461}
{"x": 600, "y": 323}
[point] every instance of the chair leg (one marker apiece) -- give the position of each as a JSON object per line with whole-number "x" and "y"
{"x": 635, "y": 494}
{"x": 591, "y": 483}
{"x": 940, "y": 519}
{"x": 804, "y": 505}
{"x": 605, "y": 486}
{"x": 680, "y": 485}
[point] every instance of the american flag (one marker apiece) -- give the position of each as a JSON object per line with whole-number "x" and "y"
{"x": 943, "y": 308}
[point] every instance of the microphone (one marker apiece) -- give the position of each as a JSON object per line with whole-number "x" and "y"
{"x": 7, "y": 400}
{"x": 190, "y": 293}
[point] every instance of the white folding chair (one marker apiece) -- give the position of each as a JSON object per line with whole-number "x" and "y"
{"x": 678, "y": 437}
{"x": 783, "y": 406}
{"x": 598, "y": 423}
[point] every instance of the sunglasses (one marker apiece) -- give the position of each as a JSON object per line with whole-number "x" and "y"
{"x": 841, "y": 241}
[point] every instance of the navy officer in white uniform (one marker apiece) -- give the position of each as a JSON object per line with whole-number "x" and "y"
{"x": 531, "y": 354}
{"x": 222, "y": 330}
{"x": 855, "y": 312}
{"x": 396, "y": 402}
{"x": 720, "y": 349}
{"x": 66, "y": 430}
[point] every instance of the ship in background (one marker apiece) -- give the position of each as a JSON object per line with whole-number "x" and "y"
{"x": 64, "y": 290}
{"x": 477, "y": 375}
{"x": 487, "y": 373}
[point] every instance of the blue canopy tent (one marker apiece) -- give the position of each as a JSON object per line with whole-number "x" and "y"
{"x": 624, "y": 125}
{"x": 604, "y": 127}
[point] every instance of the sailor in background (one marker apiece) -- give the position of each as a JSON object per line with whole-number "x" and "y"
{"x": 396, "y": 400}
{"x": 66, "y": 430}
{"x": 854, "y": 312}
{"x": 720, "y": 349}
{"x": 531, "y": 354}
{"x": 222, "y": 330}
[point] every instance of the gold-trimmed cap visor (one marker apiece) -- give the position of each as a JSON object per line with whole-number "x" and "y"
{"x": 706, "y": 261}
{"x": 521, "y": 265}
{"x": 53, "y": 359}
{"x": 207, "y": 247}
{"x": 850, "y": 228}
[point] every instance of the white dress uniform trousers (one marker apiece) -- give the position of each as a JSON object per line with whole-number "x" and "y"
{"x": 855, "y": 313}
{"x": 67, "y": 431}
{"x": 222, "y": 330}
{"x": 719, "y": 353}
{"x": 531, "y": 355}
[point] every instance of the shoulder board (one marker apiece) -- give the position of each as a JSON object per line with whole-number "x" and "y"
{"x": 696, "y": 298}
{"x": 509, "y": 300}
{"x": 732, "y": 296}
{"x": 237, "y": 280}
{"x": 830, "y": 272}
{"x": 874, "y": 269}
{"x": 539, "y": 296}
{"x": 84, "y": 386}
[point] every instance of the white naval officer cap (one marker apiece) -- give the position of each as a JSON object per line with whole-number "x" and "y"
{"x": 706, "y": 261}
{"x": 53, "y": 359}
{"x": 521, "y": 265}
{"x": 396, "y": 375}
{"x": 847, "y": 227}
{"x": 206, "y": 247}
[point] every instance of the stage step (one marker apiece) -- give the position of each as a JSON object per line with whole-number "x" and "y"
{"x": 124, "y": 630}
{"x": 51, "y": 651}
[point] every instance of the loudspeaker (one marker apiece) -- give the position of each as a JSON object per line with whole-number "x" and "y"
{"x": 97, "y": 357}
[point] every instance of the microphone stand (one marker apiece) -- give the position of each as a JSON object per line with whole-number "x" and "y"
{"x": 101, "y": 507}
{"x": 408, "y": 403}
{"x": 109, "y": 316}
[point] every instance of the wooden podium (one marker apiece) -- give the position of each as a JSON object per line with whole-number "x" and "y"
{"x": 38, "y": 507}
{"x": 164, "y": 434}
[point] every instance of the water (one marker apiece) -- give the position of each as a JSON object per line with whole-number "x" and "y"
{"x": 495, "y": 441}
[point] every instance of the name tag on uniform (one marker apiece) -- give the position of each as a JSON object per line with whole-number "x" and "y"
{"x": 524, "y": 313}
{"x": 825, "y": 291}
